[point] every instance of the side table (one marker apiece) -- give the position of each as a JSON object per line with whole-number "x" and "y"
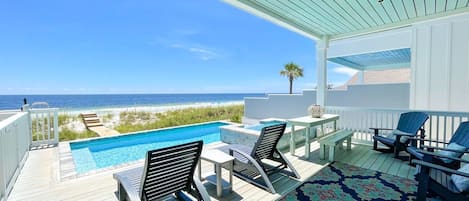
{"x": 219, "y": 159}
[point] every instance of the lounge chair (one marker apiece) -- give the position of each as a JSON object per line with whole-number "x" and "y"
{"x": 440, "y": 180}
{"x": 167, "y": 171}
{"x": 409, "y": 125}
{"x": 250, "y": 163}
{"x": 460, "y": 139}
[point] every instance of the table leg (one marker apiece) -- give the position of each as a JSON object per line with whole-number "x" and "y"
{"x": 292, "y": 141}
{"x": 322, "y": 149}
{"x": 349, "y": 143}
{"x": 231, "y": 175}
{"x": 307, "y": 144}
{"x": 219, "y": 184}
{"x": 331, "y": 153}
{"x": 322, "y": 130}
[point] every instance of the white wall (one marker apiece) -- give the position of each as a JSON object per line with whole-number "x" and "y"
{"x": 14, "y": 147}
{"x": 440, "y": 66}
{"x": 394, "y": 96}
{"x": 439, "y": 62}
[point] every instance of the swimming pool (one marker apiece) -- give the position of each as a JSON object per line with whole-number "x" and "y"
{"x": 106, "y": 152}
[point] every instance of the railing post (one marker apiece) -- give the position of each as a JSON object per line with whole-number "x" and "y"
{"x": 56, "y": 126}
{"x": 30, "y": 121}
{"x": 2, "y": 172}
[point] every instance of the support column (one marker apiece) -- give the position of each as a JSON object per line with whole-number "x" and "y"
{"x": 321, "y": 65}
{"x": 361, "y": 77}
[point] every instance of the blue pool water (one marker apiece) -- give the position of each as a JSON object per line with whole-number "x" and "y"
{"x": 101, "y": 153}
{"x": 259, "y": 127}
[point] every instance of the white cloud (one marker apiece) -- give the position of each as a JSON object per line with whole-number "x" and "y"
{"x": 203, "y": 54}
{"x": 345, "y": 70}
{"x": 200, "y": 52}
{"x": 181, "y": 39}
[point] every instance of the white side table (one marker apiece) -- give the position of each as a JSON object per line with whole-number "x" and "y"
{"x": 219, "y": 159}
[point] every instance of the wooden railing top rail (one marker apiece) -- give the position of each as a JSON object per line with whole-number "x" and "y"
{"x": 430, "y": 112}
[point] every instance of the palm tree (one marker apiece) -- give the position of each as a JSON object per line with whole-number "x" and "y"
{"x": 292, "y": 71}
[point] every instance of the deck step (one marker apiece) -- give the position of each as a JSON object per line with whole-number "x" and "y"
{"x": 91, "y": 120}
{"x": 94, "y": 124}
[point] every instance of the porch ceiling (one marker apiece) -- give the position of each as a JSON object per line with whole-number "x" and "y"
{"x": 390, "y": 59}
{"x": 345, "y": 18}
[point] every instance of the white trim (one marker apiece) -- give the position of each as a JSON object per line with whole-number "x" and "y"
{"x": 449, "y": 53}
{"x": 321, "y": 67}
{"x": 413, "y": 70}
{"x": 429, "y": 67}
{"x": 269, "y": 18}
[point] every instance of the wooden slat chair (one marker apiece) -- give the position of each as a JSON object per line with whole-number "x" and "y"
{"x": 250, "y": 163}
{"x": 461, "y": 137}
{"x": 437, "y": 179}
{"x": 167, "y": 171}
{"x": 409, "y": 125}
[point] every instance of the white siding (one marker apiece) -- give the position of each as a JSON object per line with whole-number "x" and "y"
{"x": 441, "y": 75}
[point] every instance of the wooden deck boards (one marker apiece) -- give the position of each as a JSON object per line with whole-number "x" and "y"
{"x": 39, "y": 178}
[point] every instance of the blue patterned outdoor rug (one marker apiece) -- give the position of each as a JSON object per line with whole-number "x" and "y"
{"x": 340, "y": 181}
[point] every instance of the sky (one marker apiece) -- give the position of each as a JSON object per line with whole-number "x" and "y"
{"x": 134, "y": 46}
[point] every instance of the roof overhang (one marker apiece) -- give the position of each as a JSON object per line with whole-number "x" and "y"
{"x": 317, "y": 19}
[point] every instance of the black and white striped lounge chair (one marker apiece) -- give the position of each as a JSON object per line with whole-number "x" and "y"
{"x": 167, "y": 171}
{"x": 250, "y": 162}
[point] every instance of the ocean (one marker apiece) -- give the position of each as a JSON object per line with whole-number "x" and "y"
{"x": 73, "y": 102}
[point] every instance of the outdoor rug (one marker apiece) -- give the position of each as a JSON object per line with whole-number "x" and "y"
{"x": 340, "y": 181}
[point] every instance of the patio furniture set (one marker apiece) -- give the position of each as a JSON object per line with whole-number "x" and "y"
{"x": 171, "y": 170}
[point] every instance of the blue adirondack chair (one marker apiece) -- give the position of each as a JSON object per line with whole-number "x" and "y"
{"x": 409, "y": 125}
{"x": 461, "y": 137}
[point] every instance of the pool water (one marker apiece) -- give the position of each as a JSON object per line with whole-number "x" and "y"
{"x": 106, "y": 152}
{"x": 259, "y": 127}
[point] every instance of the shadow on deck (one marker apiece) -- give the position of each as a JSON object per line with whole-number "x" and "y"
{"x": 39, "y": 178}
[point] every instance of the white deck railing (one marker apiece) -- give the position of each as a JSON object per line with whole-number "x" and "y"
{"x": 14, "y": 147}
{"x": 44, "y": 126}
{"x": 440, "y": 126}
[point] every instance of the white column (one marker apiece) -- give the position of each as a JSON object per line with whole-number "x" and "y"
{"x": 361, "y": 77}
{"x": 321, "y": 65}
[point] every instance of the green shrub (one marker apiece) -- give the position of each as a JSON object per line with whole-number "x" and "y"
{"x": 130, "y": 120}
{"x": 67, "y": 134}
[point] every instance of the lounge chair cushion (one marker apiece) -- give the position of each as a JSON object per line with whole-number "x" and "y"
{"x": 392, "y": 135}
{"x": 415, "y": 152}
{"x": 461, "y": 182}
{"x": 385, "y": 140}
{"x": 453, "y": 146}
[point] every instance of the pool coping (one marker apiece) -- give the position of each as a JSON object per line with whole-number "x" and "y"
{"x": 67, "y": 169}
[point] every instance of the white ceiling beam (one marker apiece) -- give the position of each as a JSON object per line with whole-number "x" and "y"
{"x": 269, "y": 17}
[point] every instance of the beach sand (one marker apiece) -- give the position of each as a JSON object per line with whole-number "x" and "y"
{"x": 78, "y": 125}
{"x": 149, "y": 108}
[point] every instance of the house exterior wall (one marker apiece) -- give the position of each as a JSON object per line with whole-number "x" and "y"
{"x": 393, "y": 96}
{"x": 440, "y": 69}
{"x": 439, "y": 60}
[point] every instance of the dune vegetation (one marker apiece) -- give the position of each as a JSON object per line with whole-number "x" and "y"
{"x": 138, "y": 121}
{"x": 132, "y": 121}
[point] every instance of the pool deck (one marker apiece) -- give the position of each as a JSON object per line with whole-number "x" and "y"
{"x": 40, "y": 179}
